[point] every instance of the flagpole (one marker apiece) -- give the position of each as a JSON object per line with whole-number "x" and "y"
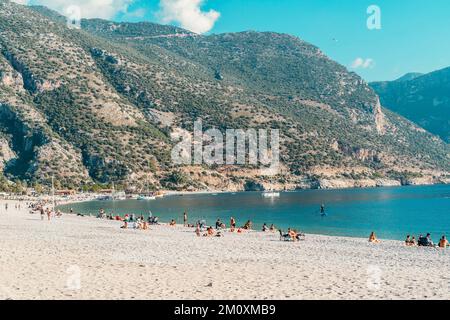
{"x": 53, "y": 192}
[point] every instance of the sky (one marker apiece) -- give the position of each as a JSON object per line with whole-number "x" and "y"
{"x": 378, "y": 39}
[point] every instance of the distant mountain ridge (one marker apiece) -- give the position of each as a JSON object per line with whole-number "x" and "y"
{"x": 100, "y": 105}
{"x": 422, "y": 98}
{"x": 410, "y": 76}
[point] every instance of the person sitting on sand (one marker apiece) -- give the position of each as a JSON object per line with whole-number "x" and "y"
{"x": 218, "y": 223}
{"x": 443, "y": 243}
{"x": 248, "y": 225}
{"x": 272, "y": 228}
{"x": 299, "y": 236}
{"x": 209, "y": 232}
{"x": 429, "y": 240}
{"x": 125, "y": 225}
{"x": 265, "y": 228}
{"x": 409, "y": 241}
{"x": 373, "y": 238}
{"x": 172, "y": 223}
{"x": 144, "y": 225}
{"x": 425, "y": 241}
{"x": 292, "y": 234}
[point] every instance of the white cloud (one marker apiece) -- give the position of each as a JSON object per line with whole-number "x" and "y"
{"x": 188, "y": 14}
{"x": 105, "y": 9}
{"x": 360, "y": 63}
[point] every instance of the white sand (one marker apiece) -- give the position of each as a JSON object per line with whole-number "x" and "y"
{"x": 41, "y": 260}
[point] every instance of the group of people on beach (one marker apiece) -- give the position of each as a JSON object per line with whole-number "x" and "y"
{"x": 423, "y": 241}
{"x": 203, "y": 230}
{"x": 426, "y": 241}
{"x": 130, "y": 221}
{"x": 44, "y": 209}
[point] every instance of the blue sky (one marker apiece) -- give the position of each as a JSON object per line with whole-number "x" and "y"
{"x": 414, "y": 34}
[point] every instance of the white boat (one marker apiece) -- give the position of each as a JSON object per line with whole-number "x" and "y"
{"x": 146, "y": 198}
{"x": 271, "y": 194}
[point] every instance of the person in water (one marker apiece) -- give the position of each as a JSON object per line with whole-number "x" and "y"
{"x": 322, "y": 210}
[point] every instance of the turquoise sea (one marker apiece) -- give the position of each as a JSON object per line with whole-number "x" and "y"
{"x": 391, "y": 212}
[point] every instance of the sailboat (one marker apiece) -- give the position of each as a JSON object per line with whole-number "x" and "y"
{"x": 147, "y": 197}
{"x": 271, "y": 194}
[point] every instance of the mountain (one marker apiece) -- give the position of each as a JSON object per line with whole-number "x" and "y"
{"x": 423, "y": 99}
{"x": 100, "y": 105}
{"x": 409, "y": 76}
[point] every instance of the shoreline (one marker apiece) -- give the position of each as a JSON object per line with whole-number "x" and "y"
{"x": 173, "y": 263}
{"x": 358, "y": 235}
{"x": 93, "y": 196}
{"x": 171, "y": 193}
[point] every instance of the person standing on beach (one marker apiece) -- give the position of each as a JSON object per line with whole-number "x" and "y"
{"x": 197, "y": 230}
{"x": 232, "y": 224}
{"x": 185, "y": 219}
{"x": 41, "y": 210}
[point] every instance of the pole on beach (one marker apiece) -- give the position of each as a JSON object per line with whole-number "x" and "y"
{"x": 113, "y": 198}
{"x": 53, "y": 193}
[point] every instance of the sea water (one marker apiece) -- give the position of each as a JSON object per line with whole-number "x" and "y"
{"x": 392, "y": 213}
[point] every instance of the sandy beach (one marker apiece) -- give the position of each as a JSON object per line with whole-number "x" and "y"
{"x": 86, "y": 258}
